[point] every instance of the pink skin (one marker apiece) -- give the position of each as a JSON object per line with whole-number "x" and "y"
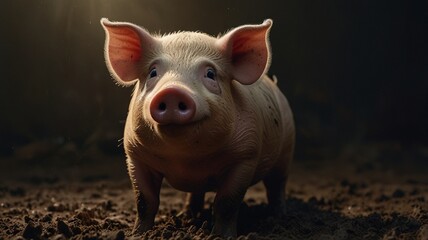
{"x": 203, "y": 116}
{"x": 172, "y": 106}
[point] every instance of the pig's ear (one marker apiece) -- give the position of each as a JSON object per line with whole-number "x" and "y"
{"x": 126, "y": 47}
{"x": 248, "y": 48}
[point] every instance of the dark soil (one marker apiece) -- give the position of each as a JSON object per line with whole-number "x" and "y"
{"x": 375, "y": 191}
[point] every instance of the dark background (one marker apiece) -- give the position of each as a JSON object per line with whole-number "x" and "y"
{"x": 355, "y": 72}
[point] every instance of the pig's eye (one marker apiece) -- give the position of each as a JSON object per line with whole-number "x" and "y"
{"x": 210, "y": 74}
{"x": 153, "y": 73}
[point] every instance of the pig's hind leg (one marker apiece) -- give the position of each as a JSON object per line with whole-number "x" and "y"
{"x": 275, "y": 183}
{"x": 194, "y": 205}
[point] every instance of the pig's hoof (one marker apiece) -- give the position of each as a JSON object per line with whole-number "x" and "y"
{"x": 187, "y": 213}
{"x": 225, "y": 235}
{"x": 278, "y": 211}
{"x": 139, "y": 230}
{"x": 225, "y": 232}
{"x": 136, "y": 232}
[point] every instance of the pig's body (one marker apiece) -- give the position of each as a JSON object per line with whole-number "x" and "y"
{"x": 262, "y": 131}
{"x": 205, "y": 118}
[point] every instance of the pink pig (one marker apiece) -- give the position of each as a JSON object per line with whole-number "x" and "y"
{"x": 204, "y": 116}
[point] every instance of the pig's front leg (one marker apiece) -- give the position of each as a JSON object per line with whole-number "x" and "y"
{"x": 229, "y": 197}
{"x": 146, "y": 184}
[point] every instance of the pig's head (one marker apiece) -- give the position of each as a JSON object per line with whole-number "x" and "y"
{"x": 184, "y": 94}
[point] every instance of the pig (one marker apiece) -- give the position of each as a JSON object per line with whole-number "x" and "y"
{"x": 204, "y": 116}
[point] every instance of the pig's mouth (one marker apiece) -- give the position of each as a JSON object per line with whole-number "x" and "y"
{"x": 176, "y": 130}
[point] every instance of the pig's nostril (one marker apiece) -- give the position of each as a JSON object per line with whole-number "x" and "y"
{"x": 162, "y": 106}
{"x": 182, "y": 106}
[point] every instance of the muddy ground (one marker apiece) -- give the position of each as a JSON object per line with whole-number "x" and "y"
{"x": 370, "y": 191}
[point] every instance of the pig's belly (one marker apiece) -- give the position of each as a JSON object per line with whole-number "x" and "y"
{"x": 192, "y": 184}
{"x": 204, "y": 179}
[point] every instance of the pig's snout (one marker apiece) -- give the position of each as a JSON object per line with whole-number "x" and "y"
{"x": 172, "y": 106}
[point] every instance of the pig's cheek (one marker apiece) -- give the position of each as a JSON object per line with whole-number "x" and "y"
{"x": 150, "y": 84}
{"x": 212, "y": 86}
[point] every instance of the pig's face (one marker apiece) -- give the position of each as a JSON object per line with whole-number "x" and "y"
{"x": 183, "y": 97}
{"x": 183, "y": 94}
